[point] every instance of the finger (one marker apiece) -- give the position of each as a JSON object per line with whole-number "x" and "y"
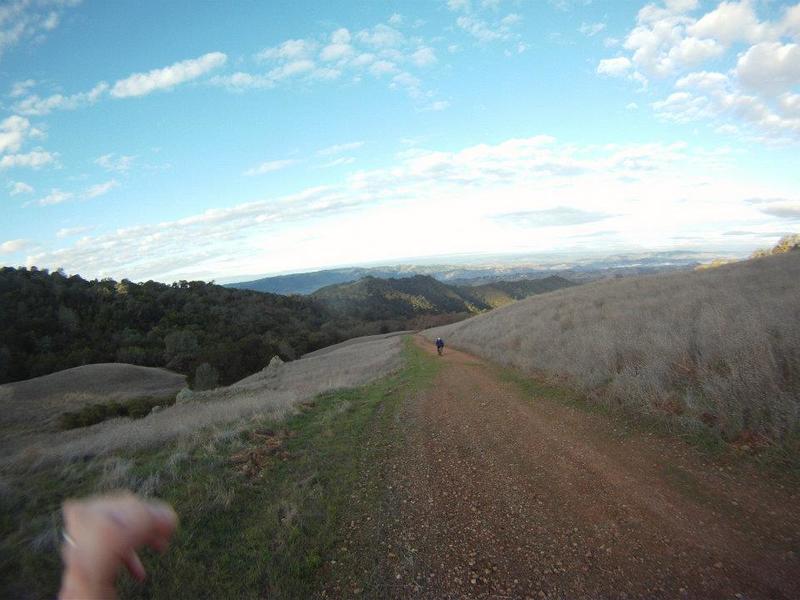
{"x": 135, "y": 566}
{"x": 137, "y": 522}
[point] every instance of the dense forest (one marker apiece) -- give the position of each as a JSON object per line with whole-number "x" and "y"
{"x": 50, "y": 321}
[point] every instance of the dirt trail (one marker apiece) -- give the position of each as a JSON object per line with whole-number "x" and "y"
{"x": 501, "y": 496}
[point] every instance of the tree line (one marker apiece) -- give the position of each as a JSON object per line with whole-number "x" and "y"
{"x": 51, "y": 321}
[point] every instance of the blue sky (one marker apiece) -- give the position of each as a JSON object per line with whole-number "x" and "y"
{"x": 210, "y": 140}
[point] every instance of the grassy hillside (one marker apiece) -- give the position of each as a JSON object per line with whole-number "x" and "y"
{"x": 501, "y": 293}
{"x": 413, "y": 298}
{"x": 264, "y": 490}
{"x": 718, "y": 349}
{"x": 372, "y": 299}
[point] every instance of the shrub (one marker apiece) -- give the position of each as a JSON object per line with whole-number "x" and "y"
{"x": 206, "y": 377}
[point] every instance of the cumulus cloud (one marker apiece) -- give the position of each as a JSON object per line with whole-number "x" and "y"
{"x": 753, "y": 96}
{"x": 66, "y": 232}
{"x": 36, "y": 106}
{"x": 14, "y": 130}
{"x": 101, "y": 189}
{"x": 19, "y": 187}
{"x": 140, "y": 84}
{"x": 340, "y": 148}
{"x": 481, "y": 22}
{"x": 23, "y": 20}
{"x": 378, "y": 52}
{"x": 11, "y": 246}
{"x": 614, "y": 67}
{"x": 119, "y": 163}
{"x": 591, "y": 29}
{"x": 20, "y": 88}
{"x": 33, "y": 160}
{"x": 55, "y": 196}
{"x": 769, "y": 67}
{"x": 288, "y": 50}
{"x": 137, "y": 84}
{"x": 423, "y": 57}
{"x": 269, "y": 166}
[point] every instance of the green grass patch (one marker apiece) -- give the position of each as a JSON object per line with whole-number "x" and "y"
{"x": 262, "y": 505}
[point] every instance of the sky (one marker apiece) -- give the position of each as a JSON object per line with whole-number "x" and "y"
{"x": 184, "y": 140}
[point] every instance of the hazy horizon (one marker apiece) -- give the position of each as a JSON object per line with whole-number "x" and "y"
{"x": 166, "y": 142}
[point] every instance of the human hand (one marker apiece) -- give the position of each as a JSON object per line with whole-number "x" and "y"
{"x": 104, "y": 533}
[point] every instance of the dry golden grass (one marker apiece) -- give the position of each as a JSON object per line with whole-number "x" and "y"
{"x": 272, "y": 393}
{"x": 37, "y": 403}
{"x": 720, "y": 346}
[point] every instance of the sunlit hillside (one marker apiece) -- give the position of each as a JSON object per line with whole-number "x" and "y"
{"x": 719, "y": 347}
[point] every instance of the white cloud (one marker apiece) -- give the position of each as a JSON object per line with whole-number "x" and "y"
{"x": 336, "y": 52}
{"x": 19, "y": 187}
{"x": 560, "y": 187}
{"x": 269, "y": 167}
{"x": 13, "y": 132}
{"x": 140, "y": 84}
{"x": 292, "y": 68}
{"x": 23, "y": 20}
{"x": 55, "y": 196}
{"x": 376, "y": 52}
{"x": 34, "y": 159}
{"x": 20, "y": 88}
{"x": 409, "y": 83}
{"x": 424, "y": 57}
{"x": 338, "y": 162}
{"x": 340, "y": 148}
{"x": 614, "y": 67}
{"x": 66, "y": 232}
{"x": 119, "y": 163}
{"x": 289, "y": 50}
{"x": 437, "y": 106}
{"x": 783, "y": 210}
{"x": 770, "y": 67}
{"x": 34, "y": 105}
{"x": 241, "y": 81}
{"x": 382, "y": 67}
{"x": 101, "y": 189}
{"x": 752, "y": 95}
{"x": 731, "y": 22}
{"x": 381, "y": 36}
{"x": 396, "y": 19}
{"x": 591, "y": 29}
{"x": 11, "y": 246}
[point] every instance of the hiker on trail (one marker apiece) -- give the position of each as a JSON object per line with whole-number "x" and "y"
{"x": 439, "y": 345}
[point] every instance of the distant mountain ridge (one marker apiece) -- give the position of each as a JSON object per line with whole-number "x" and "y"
{"x": 574, "y": 269}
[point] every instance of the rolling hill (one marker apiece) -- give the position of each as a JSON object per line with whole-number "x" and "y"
{"x": 719, "y": 347}
{"x": 501, "y": 293}
{"x": 409, "y": 298}
{"x": 373, "y": 299}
